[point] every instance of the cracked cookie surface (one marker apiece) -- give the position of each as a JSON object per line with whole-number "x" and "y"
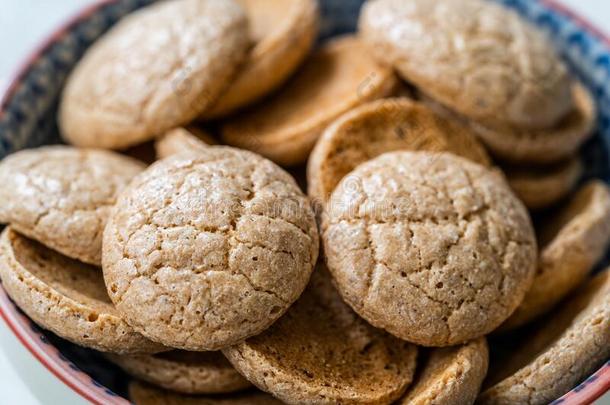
{"x": 157, "y": 69}
{"x": 61, "y": 196}
{"x": 478, "y": 58}
{"x": 66, "y": 297}
{"x": 206, "y": 249}
{"x": 431, "y": 247}
{"x": 185, "y": 372}
{"x": 321, "y": 352}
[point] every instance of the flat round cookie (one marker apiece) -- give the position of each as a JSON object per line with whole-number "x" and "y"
{"x": 572, "y": 240}
{"x": 450, "y": 375}
{"x": 282, "y": 33}
{"x": 384, "y": 126}
{"x": 65, "y": 296}
{"x": 478, "y": 58}
{"x": 185, "y": 372}
{"x": 546, "y": 145}
{"x": 542, "y": 186}
{"x": 61, "y": 196}
{"x": 336, "y": 78}
{"x": 431, "y": 247}
{"x": 144, "y": 394}
{"x": 321, "y": 352}
{"x": 182, "y": 140}
{"x": 158, "y": 68}
{"x": 206, "y": 249}
{"x": 568, "y": 347}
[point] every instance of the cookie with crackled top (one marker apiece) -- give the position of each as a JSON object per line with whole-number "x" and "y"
{"x": 206, "y": 249}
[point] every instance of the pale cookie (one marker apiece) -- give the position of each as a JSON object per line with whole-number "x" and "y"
{"x": 61, "y": 196}
{"x": 431, "y": 247}
{"x": 383, "y": 126}
{"x": 542, "y": 186}
{"x": 182, "y": 140}
{"x": 572, "y": 241}
{"x": 157, "y": 69}
{"x": 282, "y": 33}
{"x": 321, "y": 352}
{"x": 450, "y": 375}
{"x": 206, "y": 249}
{"x": 548, "y": 145}
{"x": 335, "y": 79}
{"x": 144, "y": 394}
{"x": 567, "y": 348}
{"x": 186, "y": 372}
{"x": 476, "y": 57}
{"x": 65, "y": 296}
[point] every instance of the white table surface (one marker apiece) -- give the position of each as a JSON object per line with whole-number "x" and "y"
{"x": 23, "y": 24}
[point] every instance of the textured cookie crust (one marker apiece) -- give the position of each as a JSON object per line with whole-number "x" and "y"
{"x": 335, "y": 79}
{"x": 283, "y": 33}
{"x": 383, "y": 126}
{"x": 157, "y": 69}
{"x": 474, "y": 56}
{"x": 186, "y": 372}
{"x": 450, "y": 375}
{"x": 431, "y": 247}
{"x": 541, "y": 186}
{"x": 321, "y": 352}
{"x": 62, "y": 196}
{"x": 572, "y": 241}
{"x": 65, "y": 296}
{"x": 568, "y": 347}
{"x": 144, "y": 394}
{"x": 206, "y": 249}
{"x": 182, "y": 140}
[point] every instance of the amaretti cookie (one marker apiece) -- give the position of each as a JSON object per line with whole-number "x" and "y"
{"x": 144, "y": 394}
{"x": 206, "y": 249}
{"x": 477, "y": 57}
{"x": 384, "y": 126}
{"x": 336, "y": 78}
{"x": 158, "y": 68}
{"x": 450, "y": 375}
{"x": 65, "y": 296}
{"x": 61, "y": 196}
{"x": 542, "y": 186}
{"x": 182, "y": 140}
{"x": 185, "y": 372}
{"x": 282, "y": 34}
{"x": 567, "y": 348}
{"x": 572, "y": 239}
{"x": 321, "y": 352}
{"x": 431, "y": 247}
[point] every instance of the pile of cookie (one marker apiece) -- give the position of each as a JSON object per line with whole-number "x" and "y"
{"x": 375, "y": 265}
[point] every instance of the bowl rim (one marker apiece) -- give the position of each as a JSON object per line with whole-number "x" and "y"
{"x": 22, "y": 327}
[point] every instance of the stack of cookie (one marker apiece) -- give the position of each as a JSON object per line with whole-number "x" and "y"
{"x": 202, "y": 275}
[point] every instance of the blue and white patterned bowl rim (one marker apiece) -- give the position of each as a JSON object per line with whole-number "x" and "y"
{"x": 28, "y": 109}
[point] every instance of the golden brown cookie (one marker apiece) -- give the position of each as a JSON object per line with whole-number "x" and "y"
{"x": 206, "y": 249}
{"x": 383, "y": 126}
{"x": 182, "y": 140}
{"x": 65, "y": 296}
{"x": 476, "y": 57}
{"x": 61, "y": 196}
{"x": 568, "y": 347}
{"x": 450, "y": 375}
{"x": 572, "y": 240}
{"x": 282, "y": 33}
{"x": 157, "y": 69}
{"x": 144, "y": 394}
{"x": 186, "y": 372}
{"x": 542, "y": 186}
{"x": 321, "y": 352}
{"x": 431, "y": 247}
{"x": 336, "y": 78}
